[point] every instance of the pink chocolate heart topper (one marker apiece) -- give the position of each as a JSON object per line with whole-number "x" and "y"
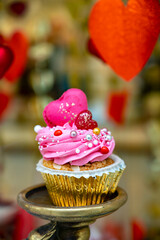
{"x": 66, "y": 108}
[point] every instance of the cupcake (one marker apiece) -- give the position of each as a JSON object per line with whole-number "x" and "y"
{"x": 78, "y": 166}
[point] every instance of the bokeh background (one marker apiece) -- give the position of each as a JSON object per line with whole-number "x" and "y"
{"x": 51, "y": 46}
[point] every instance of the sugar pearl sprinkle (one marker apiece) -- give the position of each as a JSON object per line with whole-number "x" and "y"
{"x": 89, "y": 137}
{"x": 37, "y": 128}
{"x": 73, "y": 134}
{"x": 90, "y": 145}
{"x": 77, "y": 150}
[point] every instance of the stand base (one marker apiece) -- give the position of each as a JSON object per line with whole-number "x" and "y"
{"x": 66, "y": 223}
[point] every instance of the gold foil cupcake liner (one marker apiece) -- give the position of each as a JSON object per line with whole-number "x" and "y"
{"x": 69, "y": 191}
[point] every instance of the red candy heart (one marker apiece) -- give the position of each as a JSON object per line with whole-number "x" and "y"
{"x": 84, "y": 120}
{"x": 125, "y": 36}
{"x": 6, "y": 59}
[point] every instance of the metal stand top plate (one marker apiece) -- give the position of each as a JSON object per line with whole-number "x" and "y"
{"x": 36, "y": 201}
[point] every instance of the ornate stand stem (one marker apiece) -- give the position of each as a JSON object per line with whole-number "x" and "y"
{"x": 72, "y": 231}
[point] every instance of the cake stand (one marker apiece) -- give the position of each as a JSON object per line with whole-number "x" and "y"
{"x": 66, "y": 223}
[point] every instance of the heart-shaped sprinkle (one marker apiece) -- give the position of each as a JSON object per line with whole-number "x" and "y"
{"x": 84, "y": 120}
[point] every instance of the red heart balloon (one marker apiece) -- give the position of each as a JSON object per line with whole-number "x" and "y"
{"x": 19, "y": 45}
{"x": 6, "y": 59}
{"x": 4, "y": 101}
{"x": 84, "y": 120}
{"x": 125, "y": 35}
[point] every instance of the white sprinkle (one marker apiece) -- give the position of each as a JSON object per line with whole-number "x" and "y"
{"x": 90, "y": 145}
{"x": 51, "y": 129}
{"x": 57, "y": 141}
{"x": 104, "y": 129}
{"x": 52, "y": 140}
{"x": 109, "y": 133}
{"x": 77, "y": 150}
{"x": 108, "y": 143}
{"x": 51, "y": 135}
{"x": 67, "y": 104}
{"x": 84, "y": 151}
{"x": 37, "y": 128}
{"x": 56, "y": 152}
{"x": 73, "y": 104}
{"x": 95, "y": 142}
{"x": 47, "y": 137}
{"x": 108, "y": 137}
{"x": 86, "y": 144}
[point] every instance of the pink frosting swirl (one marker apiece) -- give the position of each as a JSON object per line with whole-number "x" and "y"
{"x": 77, "y": 150}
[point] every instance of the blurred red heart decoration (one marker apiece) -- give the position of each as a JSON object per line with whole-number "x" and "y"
{"x": 4, "y": 101}
{"x": 125, "y": 35}
{"x": 6, "y": 59}
{"x": 116, "y": 107}
{"x": 19, "y": 45}
{"x": 92, "y": 49}
{"x": 18, "y": 8}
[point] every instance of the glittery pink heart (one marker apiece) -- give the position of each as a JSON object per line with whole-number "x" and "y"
{"x": 66, "y": 108}
{"x": 84, "y": 120}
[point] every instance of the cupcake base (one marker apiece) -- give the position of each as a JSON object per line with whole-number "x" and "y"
{"x": 70, "y": 189}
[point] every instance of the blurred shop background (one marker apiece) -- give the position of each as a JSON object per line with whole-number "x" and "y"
{"x": 50, "y": 40}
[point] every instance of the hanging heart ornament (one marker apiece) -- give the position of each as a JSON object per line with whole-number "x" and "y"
{"x": 6, "y": 59}
{"x": 125, "y": 35}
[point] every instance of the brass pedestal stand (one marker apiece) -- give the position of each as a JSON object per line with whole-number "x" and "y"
{"x": 67, "y": 223}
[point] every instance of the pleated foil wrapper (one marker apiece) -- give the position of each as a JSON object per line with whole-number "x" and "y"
{"x": 82, "y": 188}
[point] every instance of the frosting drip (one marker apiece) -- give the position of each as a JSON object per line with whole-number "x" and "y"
{"x": 74, "y": 146}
